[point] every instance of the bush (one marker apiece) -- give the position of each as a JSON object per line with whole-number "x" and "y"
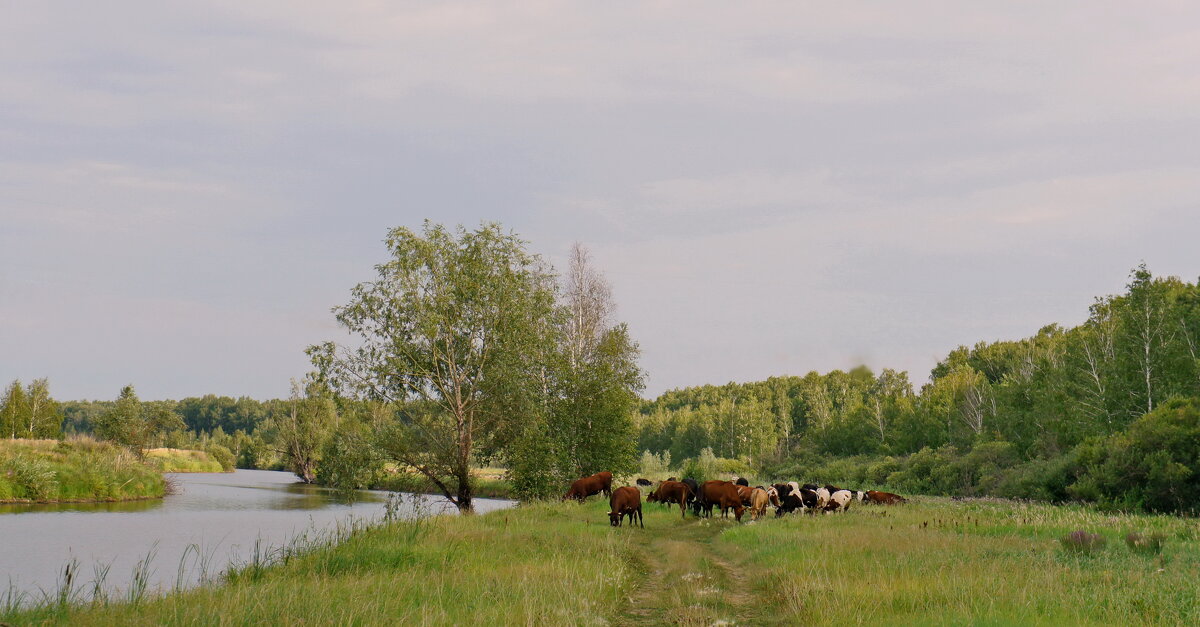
{"x": 1082, "y": 543}
{"x": 1149, "y": 466}
{"x": 655, "y": 465}
{"x": 702, "y": 467}
{"x": 222, "y": 455}
{"x": 1148, "y": 545}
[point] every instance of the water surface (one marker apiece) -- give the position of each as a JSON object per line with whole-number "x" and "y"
{"x": 223, "y": 515}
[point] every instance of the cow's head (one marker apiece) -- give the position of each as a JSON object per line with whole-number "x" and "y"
{"x": 614, "y": 519}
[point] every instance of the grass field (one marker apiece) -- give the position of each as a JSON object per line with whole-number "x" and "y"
{"x": 182, "y": 460}
{"x": 931, "y": 562}
{"x": 73, "y": 470}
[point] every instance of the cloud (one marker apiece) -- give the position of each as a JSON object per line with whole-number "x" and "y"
{"x": 772, "y": 188}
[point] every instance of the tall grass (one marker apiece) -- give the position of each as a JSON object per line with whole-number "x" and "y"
{"x": 183, "y": 460}
{"x": 78, "y": 469}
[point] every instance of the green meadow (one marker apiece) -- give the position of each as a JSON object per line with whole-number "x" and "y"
{"x": 78, "y": 469}
{"x": 930, "y": 562}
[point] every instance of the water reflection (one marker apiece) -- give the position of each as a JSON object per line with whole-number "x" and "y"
{"x": 117, "y": 506}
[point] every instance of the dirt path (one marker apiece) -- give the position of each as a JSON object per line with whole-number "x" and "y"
{"x": 686, "y": 579}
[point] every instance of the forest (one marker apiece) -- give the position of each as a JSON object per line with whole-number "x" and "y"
{"x": 1082, "y": 413}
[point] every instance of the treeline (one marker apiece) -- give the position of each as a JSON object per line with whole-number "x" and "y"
{"x": 1050, "y": 416}
{"x": 29, "y": 411}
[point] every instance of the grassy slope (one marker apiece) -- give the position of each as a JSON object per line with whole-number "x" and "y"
{"x": 182, "y": 460}
{"x": 73, "y": 470}
{"x": 936, "y": 562}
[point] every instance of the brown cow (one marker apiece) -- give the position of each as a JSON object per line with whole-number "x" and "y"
{"x": 723, "y": 494}
{"x": 883, "y": 498}
{"x": 587, "y": 486}
{"x": 626, "y": 501}
{"x": 759, "y": 500}
{"x": 744, "y": 491}
{"x": 672, "y": 492}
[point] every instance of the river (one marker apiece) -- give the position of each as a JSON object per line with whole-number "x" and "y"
{"x": 210, "y": 521}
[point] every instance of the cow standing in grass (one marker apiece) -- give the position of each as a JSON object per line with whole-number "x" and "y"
{"x": 839, "y": 501}
{"x": 587, "y": 486}
{"x": 626, "y": 501}
{"x": 723, "y": 494}
{"x": 759, "y": 500}
{"x": 673, "y": 492}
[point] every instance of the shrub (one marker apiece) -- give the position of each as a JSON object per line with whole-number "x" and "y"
{"x": 223, "y": 456}
{"x": 1148, "y": 545}
{"x": 655, "y": 465}
{"x": 1148, "y": 466}
{"x": 1082, "y": 543}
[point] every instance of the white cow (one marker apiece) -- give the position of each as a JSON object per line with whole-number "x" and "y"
{"x": 840, "y": 500}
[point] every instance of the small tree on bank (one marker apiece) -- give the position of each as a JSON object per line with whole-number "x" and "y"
{"x": 301, "y": 426}
{"x": 135, "y": 424}
{"x": 455, "y": 330}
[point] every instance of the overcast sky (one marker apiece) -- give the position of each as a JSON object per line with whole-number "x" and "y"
{"x": 186, "y": 189}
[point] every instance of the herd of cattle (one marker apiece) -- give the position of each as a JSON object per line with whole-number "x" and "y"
{"x": 737, "y": 495}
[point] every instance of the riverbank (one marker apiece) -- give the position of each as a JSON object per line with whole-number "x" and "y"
{"x": 76, "y": 470}
{"x": 489, "y": 483}
{"x": 184, "y": 460}
{"x": 930, "y": 562}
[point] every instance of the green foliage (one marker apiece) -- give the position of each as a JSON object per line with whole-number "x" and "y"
{"x": 655, "y": 465}
{"x": 460, "y": 322}
{"x": 1054, "y": 416}
{"x": 208, "y": 413}
{"x": 300, "y": 427}
{"x": 222, "y": 455}
{"x": 350, "y": 460}
{"x": 1152, "y": 465}
{"x": 29, "y": 412}
{"x": 134, "y": 424}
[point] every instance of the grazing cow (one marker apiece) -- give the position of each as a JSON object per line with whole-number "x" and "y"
{"x": 759, "y": 500}
{"x": 799, "y": 500}
{"x": 587, "y": 486}
{"x": 691, "y": 483}
{"x": 883, "y": 498}
{"x": 723, "y": 494}
{"x": 742, "y": 481}
{"x": 744, "y": 491}
{"x": 626, "y": 501}
{"x": 839, "y": 501}
{"x": 773, "y": 496}
{"x": 644, "y": 482}
{"x": 822, "y": 497}
{"x": 672, "y": 492}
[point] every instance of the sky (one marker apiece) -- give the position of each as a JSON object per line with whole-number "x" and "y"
{"x": 187, "y": 189}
